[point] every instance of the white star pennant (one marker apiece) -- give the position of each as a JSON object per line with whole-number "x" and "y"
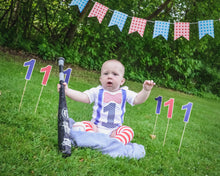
{"x": 118, "y": 19}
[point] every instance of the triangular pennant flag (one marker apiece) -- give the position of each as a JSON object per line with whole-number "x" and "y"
{"x": 137, "y": 24}
{"x": 161, "y": 28}
{"x": 98, "y": 11}
{"x": 81, "y": 4}
{"x": 181, "y": 29}
{"x": 206, "y": 27}
{"x": 118, "y": 19}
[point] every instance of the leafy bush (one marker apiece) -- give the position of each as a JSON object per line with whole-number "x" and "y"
{"x": 52, "y": 29}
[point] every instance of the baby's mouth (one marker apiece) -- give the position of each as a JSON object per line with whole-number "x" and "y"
{"x": 109, "y": 83}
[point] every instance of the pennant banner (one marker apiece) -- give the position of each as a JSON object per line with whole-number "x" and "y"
{"x": 118, "y": 19}
{"x": 181, "y": 29}
{"x": 137, "y": 24}
{"x": 161, "y": 28}
{"x": 81, "y": 4}
{"x": 98, "y": 11}
{"x": 206, "y": 27}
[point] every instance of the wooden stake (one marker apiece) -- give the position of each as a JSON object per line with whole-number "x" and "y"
{"x": 155, "y": 124}
{"x": 39, "y": 98}
{"x": 166, "y": 132}
{"x": 182, "y": 138}
{"x": 22, "y": 96}
{"x": 153, "y": 136}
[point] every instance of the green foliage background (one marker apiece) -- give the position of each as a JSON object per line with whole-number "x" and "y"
{"x": 53, "y": 28}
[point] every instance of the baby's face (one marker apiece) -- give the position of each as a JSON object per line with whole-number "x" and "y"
{"x": 112, "y": 76}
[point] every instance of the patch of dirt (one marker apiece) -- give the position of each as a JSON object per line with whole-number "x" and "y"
{"x": 19, "y": 53}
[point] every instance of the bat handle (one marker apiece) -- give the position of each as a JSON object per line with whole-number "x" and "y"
{"x": 61, "y": 65}
{"x": 61, "y": 61}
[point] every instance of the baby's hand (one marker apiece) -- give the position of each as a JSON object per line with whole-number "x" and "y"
{"x": 148, "y": 85}
{"x": 65, "y": 87}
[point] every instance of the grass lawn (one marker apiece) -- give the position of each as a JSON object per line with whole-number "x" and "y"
{"x": 28, "y": 144}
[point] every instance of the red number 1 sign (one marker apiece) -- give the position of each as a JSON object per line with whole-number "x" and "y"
{"x": 47, "y": 71}
{"x": 169, "y": 103}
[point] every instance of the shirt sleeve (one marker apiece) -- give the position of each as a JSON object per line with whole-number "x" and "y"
{"x": 130, "y": 96}
{"x": 92, "y": 93}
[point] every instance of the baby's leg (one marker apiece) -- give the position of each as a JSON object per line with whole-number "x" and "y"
{"x": 124, "y": 134}
{"x": 85, "y": 126}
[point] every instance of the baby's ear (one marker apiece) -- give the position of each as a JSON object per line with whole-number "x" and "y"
{"x": 122, "y": 81}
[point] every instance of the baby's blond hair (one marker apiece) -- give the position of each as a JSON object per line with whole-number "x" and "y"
{"x": 117, "y": 62}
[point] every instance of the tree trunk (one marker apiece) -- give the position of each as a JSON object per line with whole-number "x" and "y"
{"x": 11, "y": 13}
{"x": 5, "y": 13}
{"x": 69, "y": 38}
{"x": 27, "y": 18}
{"x": 159, "y": 9}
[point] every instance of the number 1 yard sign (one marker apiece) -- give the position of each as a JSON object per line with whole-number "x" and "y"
{"x": 30, "y": 65}
{"x": 47, "y": 71}
{"x": 158, "y": 109}
{"x": 188, "y": 108}
{"x": 169, "y": 103}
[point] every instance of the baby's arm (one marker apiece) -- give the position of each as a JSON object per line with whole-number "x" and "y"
{"x": 74, "y": 94}
{"x": 144, "y": 93}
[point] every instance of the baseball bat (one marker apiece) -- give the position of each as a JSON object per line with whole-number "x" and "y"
{"x": 64, "y": 143}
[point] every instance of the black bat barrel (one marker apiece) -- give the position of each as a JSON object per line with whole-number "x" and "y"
{"x": 64, "y": 142}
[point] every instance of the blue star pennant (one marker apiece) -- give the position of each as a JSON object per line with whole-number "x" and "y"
{"x": 161, "y": 28}
{"x": 118, "y": 19}
{"x": 206, "y": 27}
{"x": 81, "y": 4}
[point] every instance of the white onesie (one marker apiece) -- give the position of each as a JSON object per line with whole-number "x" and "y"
{"x": 109, "y": 107}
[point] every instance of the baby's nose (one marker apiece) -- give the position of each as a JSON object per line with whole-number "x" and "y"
{"x": 109, "y": 75}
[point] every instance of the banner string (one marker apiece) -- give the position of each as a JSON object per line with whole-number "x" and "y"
{"x": 154, "y": 21}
